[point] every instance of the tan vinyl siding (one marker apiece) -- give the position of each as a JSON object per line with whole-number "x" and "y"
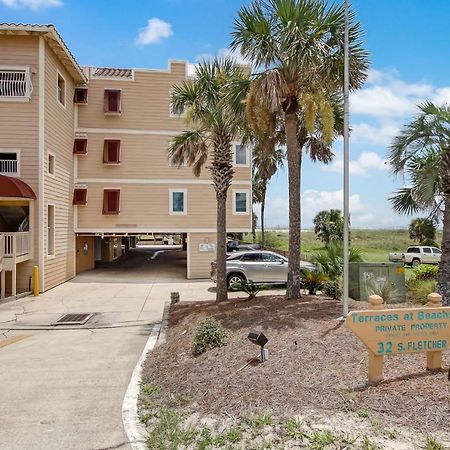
{"x": 199, "y": 263}
{"x": 144, "y": 100}
{"x": 146, "y": 206}
{"x": 19, "y": 129}
{"x": 58, "y": 189}
{"x": 142, "y": 157}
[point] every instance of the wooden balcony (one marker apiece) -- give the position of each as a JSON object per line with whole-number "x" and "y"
{"x": 14, "y": 249}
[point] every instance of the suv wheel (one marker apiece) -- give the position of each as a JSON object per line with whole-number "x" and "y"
{"x": 233, "y": 279}
{"x": 415, "y": 262}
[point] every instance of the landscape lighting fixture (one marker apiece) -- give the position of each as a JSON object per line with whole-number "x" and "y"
{"x": 259, "y": 338}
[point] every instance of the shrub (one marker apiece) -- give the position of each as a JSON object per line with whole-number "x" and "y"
{"x": 385, "y": 289}
{"x": 331, "y": 260}
{"x": 424, "y": 272}
{"x": 208, "y": 335}
{"x": 332, "y": 289}
{"x": 313, "y": 281}
{"x": 419, "y": 290}
{"x": 250, "y": 288}
{"x": 430, "y": 243}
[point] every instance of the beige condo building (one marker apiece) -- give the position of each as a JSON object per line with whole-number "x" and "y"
{"x": 84, "y": 165}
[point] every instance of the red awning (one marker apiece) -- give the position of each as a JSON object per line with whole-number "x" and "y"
{"x": 13, "y": 187}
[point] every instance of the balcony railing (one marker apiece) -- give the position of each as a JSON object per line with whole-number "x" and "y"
{"x": 2, "y": 248}
{"x": 15, "y": 84}
{"x": 8, "y": 166}
{"x": 15, "y": 244}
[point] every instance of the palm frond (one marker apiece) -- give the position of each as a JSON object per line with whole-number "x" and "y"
{"x": 189, "y": 148}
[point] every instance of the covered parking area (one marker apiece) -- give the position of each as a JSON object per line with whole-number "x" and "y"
{"x": 177, "y": 256}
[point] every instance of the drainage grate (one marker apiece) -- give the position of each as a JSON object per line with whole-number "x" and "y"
{"x": 73, "y": 319}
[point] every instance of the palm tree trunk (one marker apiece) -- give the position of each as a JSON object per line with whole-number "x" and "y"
{"x": 221, "y": 256}
{"x": 294, "y": 164}
{"x": 222, "y": 174}
{"x": 263, "y": 209}
{"x": 254, "y": 226}
{"x": 444, "y": 272}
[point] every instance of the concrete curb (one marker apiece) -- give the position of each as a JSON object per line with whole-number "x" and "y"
{"x": 130, "y": 418}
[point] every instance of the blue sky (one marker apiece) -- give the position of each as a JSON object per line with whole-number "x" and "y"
{"x": 407, "y": 41}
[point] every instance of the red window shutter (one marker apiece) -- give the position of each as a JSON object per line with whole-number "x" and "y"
{"x": 112, "y": 101}
{"x": 80, "y": 146}
{"x": 111, "y": 201}
{"x": 80, "y": 95}
{"x": 80, "y": 196}
{"x": 111, "y": 151}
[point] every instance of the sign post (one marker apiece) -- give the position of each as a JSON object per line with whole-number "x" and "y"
{"x": 398, "y": 331}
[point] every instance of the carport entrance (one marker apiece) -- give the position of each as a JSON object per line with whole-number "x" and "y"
{"x": 143, "y": 263}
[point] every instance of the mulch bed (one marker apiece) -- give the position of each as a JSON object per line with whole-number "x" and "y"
{"x": 315, "y": 364}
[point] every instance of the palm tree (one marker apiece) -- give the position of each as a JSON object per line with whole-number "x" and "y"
{"x": 214, "y": 125}
{"x": 299, "y": 45}
{"x": 266, "y": 162}
{"x": 422, "y": 229}
{"x": 422, "y": 152}
{"x": 256, "y": 198}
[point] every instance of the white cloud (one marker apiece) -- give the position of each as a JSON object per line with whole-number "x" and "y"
{"x": 387, "y": 96}
{"x": 365, "y": 162}
{"x": 223, "y": 53}
{"x": 381, "y": 135}
{"x": 155, "y": 31}
{"x": 442, "y": 96}
{"x": 33, "y": 4}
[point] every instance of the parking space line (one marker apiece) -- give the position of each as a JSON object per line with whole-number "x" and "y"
{"x": 12, "y": 340}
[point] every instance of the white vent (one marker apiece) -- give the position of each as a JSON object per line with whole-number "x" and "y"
{"x": 15, "y": 84}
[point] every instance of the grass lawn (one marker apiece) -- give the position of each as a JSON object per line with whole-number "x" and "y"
{"x": 374, "y": 244}
{"x": 311, "y": 393}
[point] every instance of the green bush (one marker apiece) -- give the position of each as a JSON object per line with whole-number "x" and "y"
{"x": 208, "y": 335}
{"x": 419, "y": 290}
{"x": 331, "y": 260}
{"x": 430, "y": 243}
{"x": 313, "y": 281}
{"x": 332, "y": 289}
{"x": 250, "y": 288}
{"x": 424, "y": 272}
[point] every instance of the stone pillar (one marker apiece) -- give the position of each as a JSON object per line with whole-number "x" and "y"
{"x": 434, "y": 359}
{"x": 375, "y": 374}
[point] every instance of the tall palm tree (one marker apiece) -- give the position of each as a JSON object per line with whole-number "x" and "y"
{"x": 422, "y": 152}
{"x": 256, "y": 198}
{"x": 214, "y": 125}
{"x": 299, "y": 44}
{"x": 266, "y": 162}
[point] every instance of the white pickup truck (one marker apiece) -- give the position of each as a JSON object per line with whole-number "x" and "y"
{"x": 416, "y": 255}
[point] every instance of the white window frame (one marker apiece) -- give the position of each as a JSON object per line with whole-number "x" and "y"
{"x": 247, "y": 195}
{"x": 59, "y": 74}
{"x": 29, "y": 84}
{"x": 178, "y": 213}
{"x": 51, "y": 154}
{"x": 17, "y": 151}
{"x": 53, "y": 254}
{"x": 247, "y": 155}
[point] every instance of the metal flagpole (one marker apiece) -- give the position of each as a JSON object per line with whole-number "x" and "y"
{"x": 346, "y": 162}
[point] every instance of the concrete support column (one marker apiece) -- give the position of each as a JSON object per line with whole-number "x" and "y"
{"x": 14, "y": 282}
{"x": 3, "y": 283}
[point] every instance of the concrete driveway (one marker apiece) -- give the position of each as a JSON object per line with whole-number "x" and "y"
{"x": 63, "y": 387}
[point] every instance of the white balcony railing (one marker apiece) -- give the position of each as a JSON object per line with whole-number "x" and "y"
{"x": 15, "y": 84}
{"x": 8, "y": 165}
{"x": 16, "y": 244}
